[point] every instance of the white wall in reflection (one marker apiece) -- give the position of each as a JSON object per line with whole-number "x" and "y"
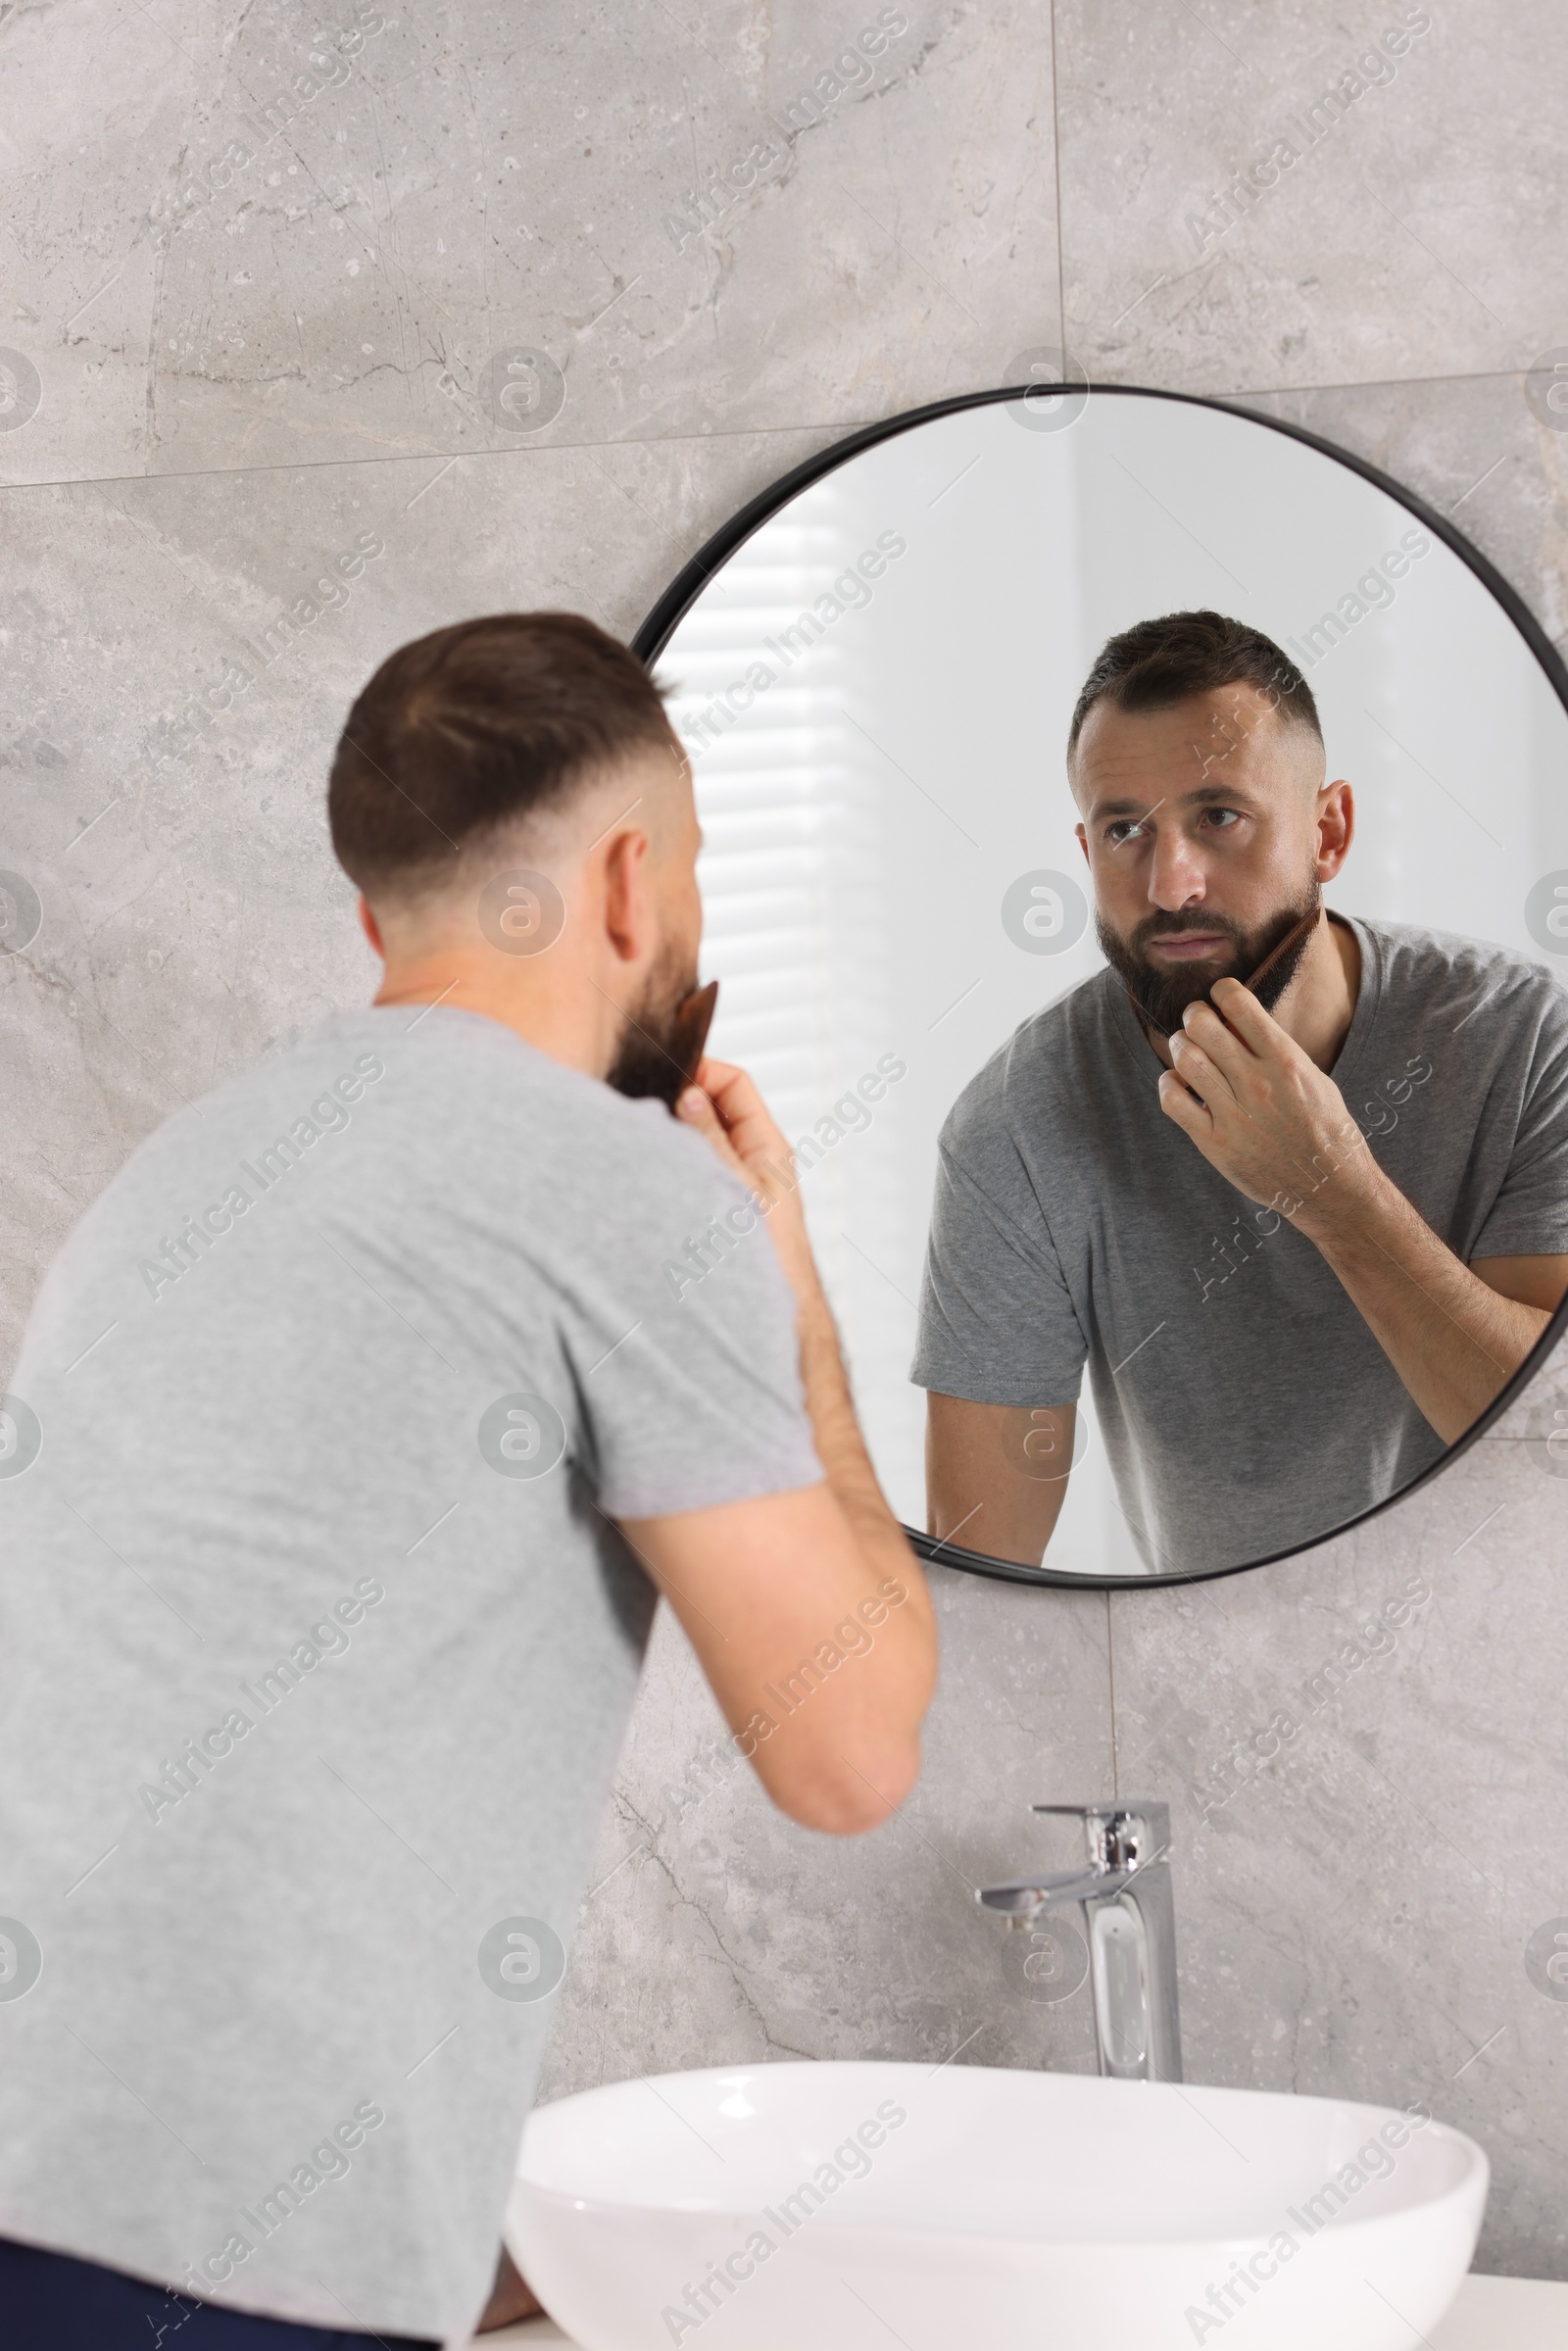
{"x": 889, "y": 767}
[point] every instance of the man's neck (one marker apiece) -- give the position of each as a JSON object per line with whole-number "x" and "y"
{"x": 1319, "y": 1005}
{"x": 568, "y": 1018}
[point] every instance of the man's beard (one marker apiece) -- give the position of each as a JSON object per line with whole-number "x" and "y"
{"x": 1163, "y": 995}
{"x": 648, "y": 1060}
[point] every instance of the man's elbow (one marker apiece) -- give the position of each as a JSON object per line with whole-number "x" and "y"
{"x": 847, "y": 1796}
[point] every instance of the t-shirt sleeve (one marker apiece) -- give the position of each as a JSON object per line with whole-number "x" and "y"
{"x": 1529, "y": 1218}
{"x": 997, "y": 1324}
{"x": 693, "y": 1397}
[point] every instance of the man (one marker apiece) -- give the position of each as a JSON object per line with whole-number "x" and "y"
{"x": 1303, "y": 1233}
{"x": 356, "y": 1429}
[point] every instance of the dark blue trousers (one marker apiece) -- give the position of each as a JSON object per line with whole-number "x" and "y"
{"x": 52, "y": 2302}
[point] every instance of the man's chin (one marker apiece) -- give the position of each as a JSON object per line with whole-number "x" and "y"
{"x": 1163, "y": 989}
{"x": 1164, "y": 993}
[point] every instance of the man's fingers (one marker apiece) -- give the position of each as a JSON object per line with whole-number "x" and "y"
{"x": 1226, "y": 1047}
{"x": 1193, "y": 1117}
{"x": 725, "y": 1107}
{"x": 695, "y": 1109}
{"x": 744, "y": 1115}
{"x": 718, "y": 1074}
{"x": 734, "y": 1089}
{"x": 1201, "y": 1069}
{"x": 1247, "y": 1017}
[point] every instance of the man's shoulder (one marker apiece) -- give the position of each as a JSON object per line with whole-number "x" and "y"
{"x": 447, "y": 1097}
{"x": 1477, "y": 980}
{"x": 1041, "y": 1062}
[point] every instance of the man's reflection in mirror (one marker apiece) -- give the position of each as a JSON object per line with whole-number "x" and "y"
{"x": 1300, "y": 1234}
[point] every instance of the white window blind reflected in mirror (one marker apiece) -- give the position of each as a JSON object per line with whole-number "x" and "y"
{"x": 794, "y": 932}
{"x": 817, "y": 936}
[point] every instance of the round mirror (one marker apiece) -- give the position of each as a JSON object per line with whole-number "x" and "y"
{"x": 1102, "y": 1324}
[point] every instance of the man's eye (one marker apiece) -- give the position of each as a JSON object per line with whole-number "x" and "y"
{"x": 1127, "y": 828}
{"x": 1221, "y": 819}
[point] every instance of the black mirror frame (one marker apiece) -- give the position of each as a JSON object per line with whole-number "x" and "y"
{"x": 659, "y": 626}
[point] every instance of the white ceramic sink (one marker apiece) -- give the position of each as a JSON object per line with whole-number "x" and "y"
{"x": 853, "y": 2207}
{"x": 1491, "y": 2314}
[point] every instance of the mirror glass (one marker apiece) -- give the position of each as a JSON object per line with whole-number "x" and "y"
{"x": 875, "y": 687}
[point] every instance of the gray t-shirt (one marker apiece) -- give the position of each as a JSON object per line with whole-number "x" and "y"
{"x": 1244, "y": 1404}
{"x": 317, "y": 1643}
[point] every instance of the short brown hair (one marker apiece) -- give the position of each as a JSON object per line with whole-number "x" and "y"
{"x": 476, "y": 726}
{"x": 1158, "y": 663}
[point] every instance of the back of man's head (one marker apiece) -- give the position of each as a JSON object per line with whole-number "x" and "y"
{"x": 468, "y": 734}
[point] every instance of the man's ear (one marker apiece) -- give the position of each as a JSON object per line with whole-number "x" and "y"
{"x": 371, "y": 927}
{"x": 1335, "y": 827}
{"x": 630, "y": 922}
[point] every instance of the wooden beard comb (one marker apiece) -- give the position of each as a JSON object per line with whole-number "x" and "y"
{"x": 694, "y": 1017}
{"x": 1292, "y": 937}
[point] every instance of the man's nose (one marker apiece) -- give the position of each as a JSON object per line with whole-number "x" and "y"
{"x": 1176, "y": 874}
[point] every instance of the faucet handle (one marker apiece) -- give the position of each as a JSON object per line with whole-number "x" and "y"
{"x": 1022, "y": 1900}
{"x": 1120, "y": 1834}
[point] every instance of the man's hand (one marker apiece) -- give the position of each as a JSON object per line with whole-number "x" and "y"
{"x": 1276, "y": 1126}
{"x": 725, "y": 1107}
{"x": 1267, "y": 1118}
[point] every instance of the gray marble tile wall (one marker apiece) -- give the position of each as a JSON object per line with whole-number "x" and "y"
{"x": 320, "y": 328}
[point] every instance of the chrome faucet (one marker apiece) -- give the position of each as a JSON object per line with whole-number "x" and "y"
{"x": 1130, "y": 1921}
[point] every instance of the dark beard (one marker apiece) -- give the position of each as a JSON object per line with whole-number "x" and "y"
{"x": 650, "y": 1059}
{"x": 1162, "y": 997}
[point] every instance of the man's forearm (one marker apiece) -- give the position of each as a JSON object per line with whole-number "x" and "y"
{"x": 1454, "y": 1342}
{"x": 817, "y": 1567}
{"x": 906, "y": 1640}
{"x": 840, "y": 1445}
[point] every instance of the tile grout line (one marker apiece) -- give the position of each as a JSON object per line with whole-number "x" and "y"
{"x": 842, "y": 429}
{"x": 1055, "y": 141}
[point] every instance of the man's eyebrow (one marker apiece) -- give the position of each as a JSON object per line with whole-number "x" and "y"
{"x": 1221, "y": 792}
{"x": 1202, "y": 795}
